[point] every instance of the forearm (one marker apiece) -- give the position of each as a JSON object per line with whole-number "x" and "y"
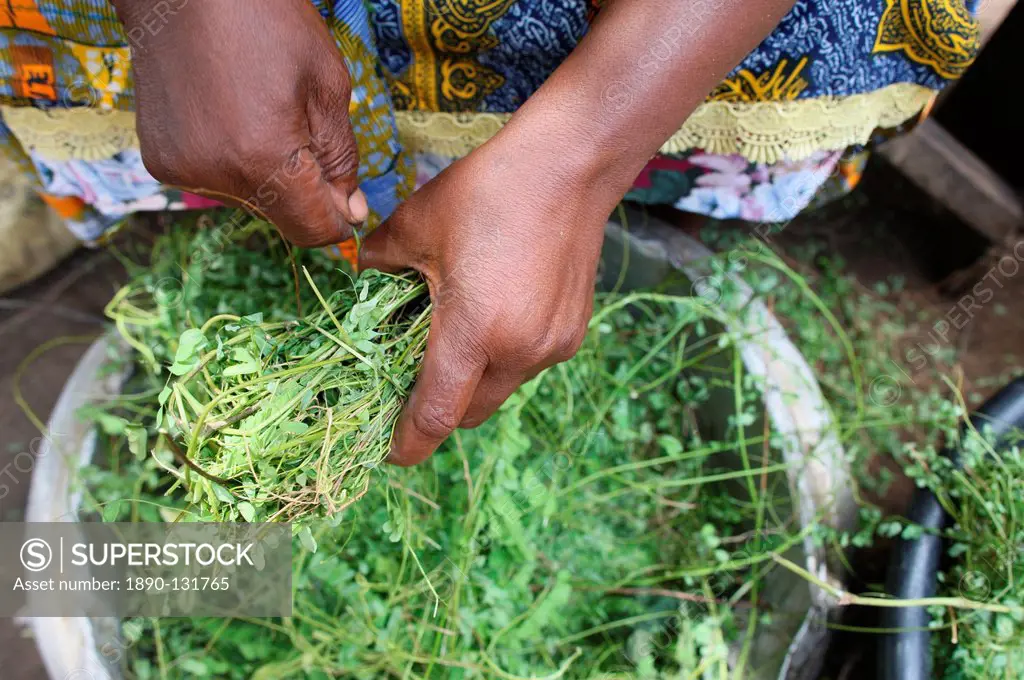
{"x": 635, "y": 78}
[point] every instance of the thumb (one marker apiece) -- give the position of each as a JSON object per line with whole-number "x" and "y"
{"x": 403, "y": 241}
{"x": 334, "y": 144}
{"x": 439, "y": 400}
{"x": 383, "y": 249}
{"x": 303, "y": 209}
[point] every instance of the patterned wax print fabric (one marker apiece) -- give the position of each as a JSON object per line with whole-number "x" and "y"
{"x": 433, "y": 79}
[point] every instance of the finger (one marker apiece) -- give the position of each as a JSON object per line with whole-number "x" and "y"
{"x": 438, "y": 403}
{"x": 333, "y": 141}
{"x": 404, "y": 241}
{"x": 300, "y": 203}
{"x": 492, "y": 391}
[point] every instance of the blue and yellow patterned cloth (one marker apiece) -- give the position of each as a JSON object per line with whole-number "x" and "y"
{"x": 438, "y": 77}
{"x": 491, "y": 55}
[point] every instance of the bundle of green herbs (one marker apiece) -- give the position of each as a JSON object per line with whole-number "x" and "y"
{"x": 270, "y": 417}
{"x": 585, "y": 531}
{"x": 285, "y": 421}
{"x": 196, "y": 269}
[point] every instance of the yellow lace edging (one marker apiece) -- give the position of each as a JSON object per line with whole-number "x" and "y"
{"x": 80, "y": 133}
{"x": 763, "y": 132}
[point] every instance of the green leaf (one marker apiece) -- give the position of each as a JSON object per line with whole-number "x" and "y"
{"x": 188, "y": 343}
{"x": 911, "y": 532}
{"x": 165, "y": 393}
{"x": 137, "y": 440}
{"x": 180, "y": 369}
{"x": 259, "y": 338}
{"x": 890, "y": 529}
{"x": 111, "y": 510}
{"x": 111, "y": 424}
{"x": 222, "y": 494}
{"x": 307, "y": 540}
{"x": 193, "y": 667}
{"x": 246, "y": 364}
{"x": 294, "y": 427}
{"x": 247, "y": 510}
{"x": 193, "y": 403}
{"x": 670, "y": 445}
{"x": 547, "y": 612}
{"x": 365, "y": 346}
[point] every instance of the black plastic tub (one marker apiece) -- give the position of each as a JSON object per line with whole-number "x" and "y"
{"x": 913, "y": 571}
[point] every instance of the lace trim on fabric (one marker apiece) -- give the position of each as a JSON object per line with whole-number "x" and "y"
{"x": 762, "y": 132}
{"x": 88, "y": 134}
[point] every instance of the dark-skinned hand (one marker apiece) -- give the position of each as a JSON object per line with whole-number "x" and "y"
{"x": 509, "y": 251}
{"x": 250, "y": 100}
{"x": 247, "y": 102}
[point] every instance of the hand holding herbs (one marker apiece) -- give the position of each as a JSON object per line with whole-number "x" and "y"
{"x": 584, "y": 531}
{"x": 511, "y": 265}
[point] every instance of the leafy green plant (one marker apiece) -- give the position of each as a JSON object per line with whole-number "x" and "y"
{"x": 197, "y": 269}
{"x": 589, "y": 530}
{"x": 912, "y": 414}
{"x": 985, "y": 497}
{"x": 554, "y": 541}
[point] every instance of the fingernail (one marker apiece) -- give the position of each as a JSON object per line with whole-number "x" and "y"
{"x": 357, "y": 206}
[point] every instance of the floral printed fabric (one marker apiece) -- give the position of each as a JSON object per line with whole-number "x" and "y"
{"x": 114, "y": 188}
{"x": 731, "y": 187}
{"x": 728, "y": 187}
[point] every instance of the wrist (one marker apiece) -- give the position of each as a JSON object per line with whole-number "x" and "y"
{"x": 569, "y": 142}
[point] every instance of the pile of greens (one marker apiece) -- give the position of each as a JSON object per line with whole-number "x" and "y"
{"x": 285, "y": 421}
{"x": 196, "y": 270}
{"x": 986, "y": 500}
{"x": 587, "y": 530}
{"x": 912, "y": 414}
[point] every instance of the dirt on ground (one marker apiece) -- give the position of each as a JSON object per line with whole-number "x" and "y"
{"x": 969, "y": 294}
